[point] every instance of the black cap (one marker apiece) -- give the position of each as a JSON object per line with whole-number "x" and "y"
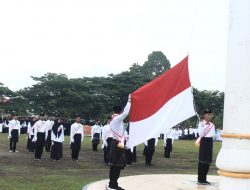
{"x": 77, "y": 115}
{"x": 207, "y": 110}
{"x": 13, "y": 114}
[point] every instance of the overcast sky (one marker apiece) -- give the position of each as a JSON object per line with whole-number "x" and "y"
{"x": 97, "y": 37}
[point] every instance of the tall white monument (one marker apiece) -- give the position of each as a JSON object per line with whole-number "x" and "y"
{"x": 234, "y": 158}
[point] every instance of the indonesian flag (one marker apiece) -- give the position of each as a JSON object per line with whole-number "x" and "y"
{"x": 161, "y": 104}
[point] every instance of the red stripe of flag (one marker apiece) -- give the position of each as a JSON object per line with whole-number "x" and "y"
{"x": 148, "y": 99}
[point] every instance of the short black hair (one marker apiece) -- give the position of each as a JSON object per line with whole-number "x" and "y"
{"x": 42, "y": 114}
{"x": 117, "y": 109}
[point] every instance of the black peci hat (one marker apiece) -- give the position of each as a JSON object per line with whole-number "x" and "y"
{"x": 77, "y": 115}
{"x": 207, "y": 110}
{"x": 41, "y": 114}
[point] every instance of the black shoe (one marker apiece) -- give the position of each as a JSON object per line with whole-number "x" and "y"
{"x": 110, "y": 188}
{"x": 207, "y": 183}
{"x": 119, "y": 188}
{"x": 201, "y": 182}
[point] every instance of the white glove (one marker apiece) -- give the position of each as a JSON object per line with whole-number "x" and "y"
{"x": 103, "y": 146}
{"x": 52, "y": 143}
{"x": 34, "y": 139}
{"x": 9, "y": 136}
{"x": 129, "y": 98}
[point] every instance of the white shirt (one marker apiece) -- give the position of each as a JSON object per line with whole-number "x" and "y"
{"x": 203, "y": 126}
{"x": 14, "y": 124}
{"x": 58, "y": 138}
{"x": 30, "y": 129}
{"x": 186, "y": 132}
{"x": 117, "y": 125}
{"x": 1, "y": 127}
{"x": 76, "y": 128}
{"x": 95, "y": 129}
{"x": 49, "y": 124}
{"x": 106, "y": 133}
{"x": 169, "y": 135}
{"x": 39, "y": 127}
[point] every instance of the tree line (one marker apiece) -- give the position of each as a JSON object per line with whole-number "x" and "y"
{"x": 94, "y": 97}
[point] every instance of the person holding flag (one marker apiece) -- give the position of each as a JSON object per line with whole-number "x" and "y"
{"x": 206, "y": 133}
{"x": 117, "y": 157}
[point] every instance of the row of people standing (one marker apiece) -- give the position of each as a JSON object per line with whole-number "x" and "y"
{"x": 48, "y": 134}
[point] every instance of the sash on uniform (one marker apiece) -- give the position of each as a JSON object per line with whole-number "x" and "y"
{"x": 207, "y": 130}
{"x": 118, "y": 134}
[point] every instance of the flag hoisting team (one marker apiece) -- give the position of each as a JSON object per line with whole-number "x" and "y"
{"x": 50, "y": 135}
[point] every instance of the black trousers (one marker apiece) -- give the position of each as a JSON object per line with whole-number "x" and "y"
{"x": 106, "y": 150}
{"x": 48, "y": 142}
{"x": 95, "y": 141}
{"x": 148, "y": 158}
{"x": 114, "y": 174}
{"x": 202, "y": 172}
{"x": 94, "y": 146}
{"x": 13, "y": 139}
{"x": 168, "y": 148}
{"x": 129, "y": 156}
{"x": 134, "y": 157}
{"x": 39, "y": 145}
{"x": 30, "y": 144}
{"x": 76, "y": 146}
{"x": 12, "y": 146}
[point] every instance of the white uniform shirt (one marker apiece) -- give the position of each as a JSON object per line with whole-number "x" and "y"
{"x": 106, "y": 133}
{"x": 76, "y": 128}
{"x": 203, "y": 126}
{"x": 95, "y": 129}
{"x": 1, "y": 127}
{"x": 30, "y": 129}
{"x": 49, "y": 124}
{"x": 58, "y": 138}
{"x": 117, "y": 125}
{"x": 40, "y": 127}
{"x": 14, "y": 124}
{"x": 169, "y": 135}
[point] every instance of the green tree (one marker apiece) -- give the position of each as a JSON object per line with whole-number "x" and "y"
{"x": 156, "y": 64}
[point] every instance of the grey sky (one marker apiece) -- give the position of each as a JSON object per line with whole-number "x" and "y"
{"x": 94, "y": 38}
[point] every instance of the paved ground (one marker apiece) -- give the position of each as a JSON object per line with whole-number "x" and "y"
{"x": 158, "y": 182}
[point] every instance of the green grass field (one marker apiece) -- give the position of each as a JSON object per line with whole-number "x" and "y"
{"x": 18, "y": 171}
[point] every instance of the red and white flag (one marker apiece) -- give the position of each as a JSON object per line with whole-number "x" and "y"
{"x": 161, "y": 104}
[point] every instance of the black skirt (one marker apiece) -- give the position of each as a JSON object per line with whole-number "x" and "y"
{"x": 117, "y": 156}
{"x": 206, "y": 150}
{"x": 56, "y": 151}
{"x": 14, "y": 135}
